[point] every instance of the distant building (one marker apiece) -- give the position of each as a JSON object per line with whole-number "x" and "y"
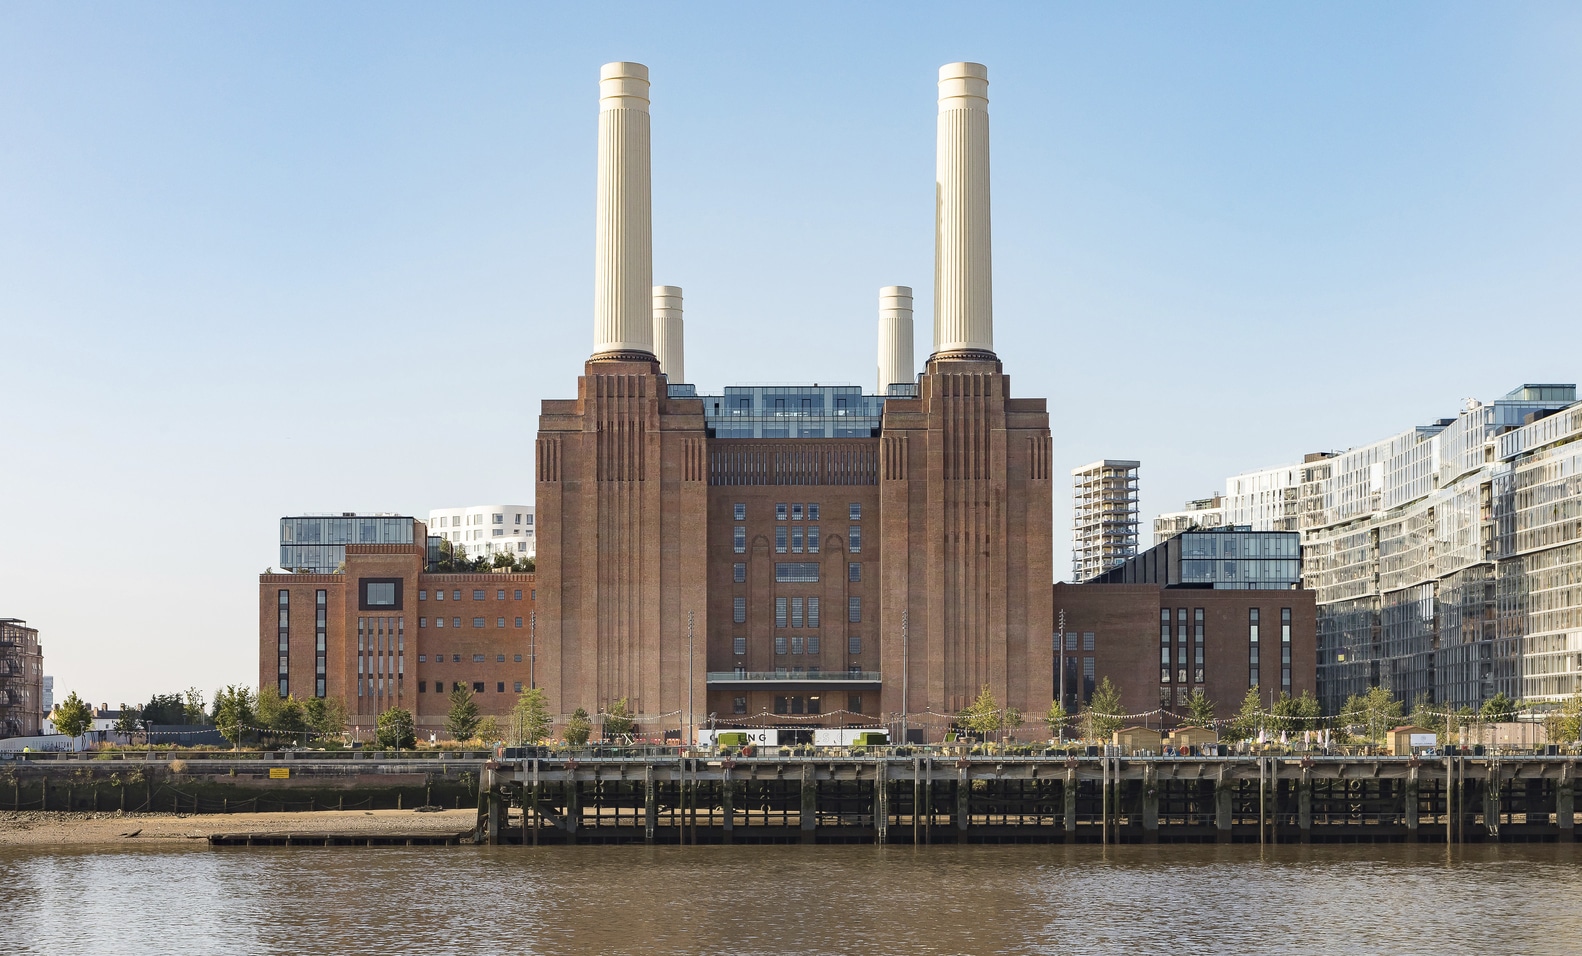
{"x": 1104, "y": 516}
{"x": 486, "y": 529}
{"x": 21, "y": 679}
{"x": 1201, "y": 513}
{"x": 316, "y": 544}
{"x": 49, "y": 696}
{"x": 1218, "y": 611}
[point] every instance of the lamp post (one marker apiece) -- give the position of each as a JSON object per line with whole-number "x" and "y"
{"x": 532, "y": 649}
{"x": 906, "y": 661}
{"x": 689, "y": 679}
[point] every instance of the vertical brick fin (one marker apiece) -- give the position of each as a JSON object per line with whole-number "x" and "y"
{"x": 694, "y": 466}
{"x": 548, "y": 459}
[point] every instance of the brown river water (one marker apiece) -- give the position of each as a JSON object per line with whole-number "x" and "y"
{"x": 1334, "y": 900}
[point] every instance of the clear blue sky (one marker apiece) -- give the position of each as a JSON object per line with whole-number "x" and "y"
{"x": 273, "y": 258}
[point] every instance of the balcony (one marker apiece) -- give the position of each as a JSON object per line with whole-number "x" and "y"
{"x": 790, "y": 677}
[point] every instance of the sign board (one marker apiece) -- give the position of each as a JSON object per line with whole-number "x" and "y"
{"x": 841, "y": 736}
{"x": 279, "y": 773}
{"x": 755, "y": 735}
{"x": 1425, "y": 740}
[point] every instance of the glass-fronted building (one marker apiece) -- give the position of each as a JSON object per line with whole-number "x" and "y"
{"x": 317, "y": 543}
{"x": 1221, "y": 558}
{"x": 793, "y": 411}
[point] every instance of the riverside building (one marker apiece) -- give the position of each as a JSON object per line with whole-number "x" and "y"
{"x": 484, "y": 530}
{"x": 21, "y": 679}
{"x": 1445, "y": 559}
{"x": 1104, "y": 516}
{"x": 799, "y": 556}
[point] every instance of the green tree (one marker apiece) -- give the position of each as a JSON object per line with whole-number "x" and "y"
{"x": 396, "y": 730}
{"x": 1423, "y": 715}
{"x": 982, "y": 716}
{"x": 326, "y": 716}
{"x": 164, "y": 709}
{"x": 1200, "y": 710}
{"x": 488, "y": 729}
{"x": 1498, "y": 709}
{"x": 1103, "y": 715}
{"x": 72, "y": 716}
{"x": 1055, "y": 719}
{"x": 233, "y": 712}
{"x": 1292, "y": 715}
{"x": 1249, "y": 720}
{"x": 193, "y": 706}
{"x": 578, "y": 728}
{"x": 1375, "y": 712}
{"x": 503, "y": 561}
{"x": 129, "y": 720}
{"x": 530, "y": 720}
{"x": 1564, "y": 724}
{"x": 618, "y": 722}
{"x": 462, "y": 721}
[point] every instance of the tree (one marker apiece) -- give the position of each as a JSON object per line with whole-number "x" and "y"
{"x": 193, "y": 708}
{"x": 72, "y": 716}
{"x": 618, "y": 722}
{"x": 396, "y": 730}
{"x": 982, "y": 716}
{"x": 233, "y": 712}
{"x": 488, "y": 729}
{"x": 1498, "y": 709}
{"x": 164, "y": 709}
{"x": 530, "y": 720}
{"x": 503, "y": 560}
{"x": 1564, "y": 726}
{"x": 1055, "y": 719}
{"x": 578, "y": 728}
{"x": 1292, "y": 715}
{"x": 129, "y": 720}
{"x": 282, "y": 716}
{"x": 1103, "y": 716}
{"x": 326, "y": 716}
{"x": 1200, "y": 710}
{"x": 462, "y": 722}
{"x": 1249, "y": 720}
{"x": 1375, "y": 712}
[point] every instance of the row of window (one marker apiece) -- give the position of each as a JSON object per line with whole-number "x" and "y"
{"x": 476, "y": 622}
{"x": 796, "y": 705}
{"x": 478, "y": 686}
{"x": 796, "y": 645}
{"x": 795, "y": 511}
{"x": 789, "y": 611}
{"x": 478, "y": 594}
{"x": 795, "y": 572}
{"x": 476, "y": 658}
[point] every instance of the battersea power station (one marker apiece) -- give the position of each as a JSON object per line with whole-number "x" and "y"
{"x": 794, "y": 556}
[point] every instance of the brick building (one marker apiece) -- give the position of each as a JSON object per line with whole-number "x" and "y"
{"x": 384, "y": 633}
{"x": 676, "y": 566}
{"x": 21, "y": 679}
{"x": 1217, "y": 610}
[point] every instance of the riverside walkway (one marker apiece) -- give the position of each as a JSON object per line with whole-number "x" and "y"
{"x": 898, "y": 797}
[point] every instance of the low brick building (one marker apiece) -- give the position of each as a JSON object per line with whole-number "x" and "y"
{"x": 1191, "y": 614}
{"x": 385, "y": 633}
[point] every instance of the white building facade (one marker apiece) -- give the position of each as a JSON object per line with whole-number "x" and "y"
{"x": 486, "y": 529}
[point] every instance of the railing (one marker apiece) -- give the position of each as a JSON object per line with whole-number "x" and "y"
{"x": 728, "y": 677}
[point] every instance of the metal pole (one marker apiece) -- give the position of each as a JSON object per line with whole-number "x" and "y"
{"x": 689, "y": 678}
{"x": 905, "y": 669}
{"x": 532, "y": 649}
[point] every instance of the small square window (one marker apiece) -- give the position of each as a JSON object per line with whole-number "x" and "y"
{"x": 422, "y": 658}
{"x": 517, "y": 594}
{"x": 477, "y": 622}
{"x": 422, "y": 594}
{"x": 422, "y": 622}
{"x": 518, "y": 658}
{"x": 439, "y": 622}
{"x": 499, "y": 687}
{"x": 455, "y": 595}
{"x": 499, "y": 622}
{"x": 780, "y": 512}
{"x": 854, "y": 645}
{"x": 739, "y": 705}
{"x": 739, "y": 645}
{"x": 739, "y": 573}
{"x": 499, "y": 658}
{"x": 780, "y": 645}
{"x": 477, "y": 658}
{"x": 477, "y": 687}
{"x": 500, "y": 595}
{"x": 518, "y": 622}
{"x": 856, "y": 511}
{"x": 517, "y": 687}
{"x": 477, "y": 594}
{"x": 422, "y": 687}
{"x": 739, "y": 512}
{"x": 456, "y": 659}
{"x": 796, "y": 512}
{"x": 812, "y": 511}
{"x": 439, "y": 595}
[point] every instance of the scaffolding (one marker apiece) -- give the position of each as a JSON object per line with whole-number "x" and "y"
{"x": 1104, "y": 517}
{"x": 21, "y": 679}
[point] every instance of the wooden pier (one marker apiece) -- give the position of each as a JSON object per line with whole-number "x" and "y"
{"x": 934, "y": 798}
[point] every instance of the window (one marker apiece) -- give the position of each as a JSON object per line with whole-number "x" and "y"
{"x": 780, "y": 612}
{"x": 499, "y": 687}
{"x": 422, "y": 658}
{"x": 812, "y": 511}
{"x": 738, "y": 705}
{"x": 812, "y": 641}
{"x": 517, "y": 594}
{"x": 854, "y": 572}
{"x": 379, "y": 594}
{"x": 780, "y": 512}
{"x": 739, "y": 572}
{"x": 796, "y": 539}
{"x": 1285, "y": 650}
{"x": 739, "y": 540}
{"x": 477, "y": 622}
{"x": 856, "y": 511}
{"x": 854, "y": 645}
{"x": 518, "y": 517}
{"x": 477, "y": 687}
{"x": 439, "y": 687}
{"x": 517, "y": 658}
{"x": 1071, "y": 641}
{"x": 499, "y": 622}
{"x": 456, "y": 659}
{"x": 439, "y": 622}
{"x": 500, "y": 595}
{"x": 739, "y": 610}
{"x": 1087, "y": 640}
{"x": 499, "y": 658}
{"x": 1252, "y": 647}
{"x": 455, "y": 622}
{"x": 739, "y": 645}
{"x": 438, "y": 595}
{"x": 455, "y": 595}
{"x": 796, "y": 614}
{"x": 854, "y": 703}
{"x": 422, "y": 622}
{"x": 812, "y": 539}
{"x": 517, "y": 687}
{"x": 780, "y": 540}
{"x": 422, "y": 687}
{"x": 422, "y": 594}
{"x": 796, "y": 512}
{"x": 498, "y": 519}
{"x": 782, "y": 705}
{"x": 796, "y": 572}
{"x": 498, "y": 533}
{"x": 854, "y": 610}
{"x": 1197, "y": 645}
{"x": 812, "y": 614}
{"x": 814, "y": 705}
{"x": 854, "y": 539}
{"x": 477, "y": 594}
{"x": 796, "y": 645}
{"x": 780, "y": 645}
{"x": 796, "y": 705}
{"x": 477, "y": 658}
{"x": 739, "y": 511}
{"x": 518, "y": 622}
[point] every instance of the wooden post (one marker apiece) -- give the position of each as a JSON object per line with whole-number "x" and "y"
{"x": 1104, "y": 797}
{"x": 1222, "y": 808}
{"x": 1304, "y": 806}
{"x": 650, "y": 805}
{"x": 1565, "y": 803}
{"x": 963, "y": 803}
{"x": 808, "y": 816}
{"x": 728, "y": 804}
{"x": 496, "y": 808}
{"x": 1151, "y": 804}
{"x": 1068, "y": 796}
{"x": 1410, "y": 809}
{"x": 573, "y": 808}
{"x": 881, "y": 801}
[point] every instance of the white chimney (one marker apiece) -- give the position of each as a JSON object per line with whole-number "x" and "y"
{"x": 669, "y": 347}
{"x": 895, "y": 336}
{"x": 963, "y": 285}
{"x": 623, "y": 245}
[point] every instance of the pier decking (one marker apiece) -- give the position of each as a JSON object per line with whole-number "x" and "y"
{"x": 923, "y": 799}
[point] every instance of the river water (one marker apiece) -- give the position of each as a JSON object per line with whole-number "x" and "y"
{"x": 1334, "y": 900}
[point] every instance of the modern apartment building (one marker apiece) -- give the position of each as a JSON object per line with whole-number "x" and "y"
{"x": 1103, "y": 517}
{"x": 486, "y": 529}
{"x": 316, "y": 544}
{"x": 21, "y": 679}
{"x": 1198, "y": 513}
{"x": 794, "y": 556}
{"x": 358, "y": 633}
{"x": 1446, "y": 559}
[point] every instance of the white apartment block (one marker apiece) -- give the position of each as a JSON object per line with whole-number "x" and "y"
{"x": 486, "y": 529}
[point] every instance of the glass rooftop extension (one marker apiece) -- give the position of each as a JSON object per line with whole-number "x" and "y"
{"x": 792, "y": 411}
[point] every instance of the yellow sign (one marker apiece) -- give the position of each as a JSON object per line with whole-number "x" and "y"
{"x": 279, "y": 773}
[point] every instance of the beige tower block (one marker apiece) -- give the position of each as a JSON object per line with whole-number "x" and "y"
{"x": 669, "y": 344}
{"x": 963, "y": 280}
{"x": 623, "y": 237}
{"x": 895, "y": 337}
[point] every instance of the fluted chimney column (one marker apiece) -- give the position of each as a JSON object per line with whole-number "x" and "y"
{"x": 623, "y": 246}
{"x": 895, "y": 336}
{"x": 963, "y": 284}
{"x": 669, "y": 344}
